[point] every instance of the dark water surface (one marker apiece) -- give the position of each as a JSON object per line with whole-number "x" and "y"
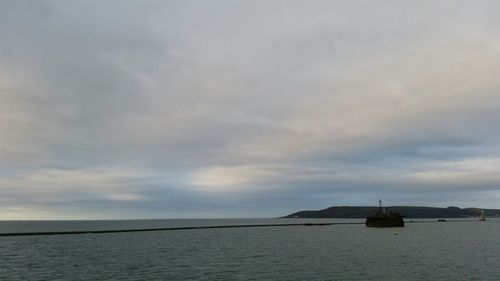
{"x": 420, "y": 251}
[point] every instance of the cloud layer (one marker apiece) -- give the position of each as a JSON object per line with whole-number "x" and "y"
{"x": 160, "y": 109}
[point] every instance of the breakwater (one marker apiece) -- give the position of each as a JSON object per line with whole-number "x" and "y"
{"x": 168, "y": 229}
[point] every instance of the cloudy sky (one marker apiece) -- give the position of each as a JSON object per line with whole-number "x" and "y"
{"x": 177, "y": 109}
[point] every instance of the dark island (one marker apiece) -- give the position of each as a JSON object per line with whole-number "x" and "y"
{"x": 406, "y": 211}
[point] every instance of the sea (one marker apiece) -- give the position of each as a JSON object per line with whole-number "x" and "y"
{"x": 422, "y": 250}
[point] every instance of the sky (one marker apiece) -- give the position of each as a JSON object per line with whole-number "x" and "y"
{"x": 210, "y": 109}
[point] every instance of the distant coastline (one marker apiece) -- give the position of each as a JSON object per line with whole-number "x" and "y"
{"x": 407, "y": 211}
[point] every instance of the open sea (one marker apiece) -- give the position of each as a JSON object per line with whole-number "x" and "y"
{"x": 465, "y": 250}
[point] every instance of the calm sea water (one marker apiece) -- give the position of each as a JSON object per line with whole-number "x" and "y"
{"x": 420, "y": 251}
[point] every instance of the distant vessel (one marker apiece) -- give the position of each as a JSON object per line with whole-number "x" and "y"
{"x": 381, "y": 219}
{"x": 483, "y": 216}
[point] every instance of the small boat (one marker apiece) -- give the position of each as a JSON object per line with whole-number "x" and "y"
{"x": 483, "y": 216}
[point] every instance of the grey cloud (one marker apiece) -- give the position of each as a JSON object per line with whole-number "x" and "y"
{"x": 245, "y": 106}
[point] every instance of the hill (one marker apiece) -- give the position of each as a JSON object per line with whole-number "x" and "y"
{"x": 408, "y": 211}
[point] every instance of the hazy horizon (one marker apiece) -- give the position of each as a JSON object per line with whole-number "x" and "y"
{"x": 192, "y": 109}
